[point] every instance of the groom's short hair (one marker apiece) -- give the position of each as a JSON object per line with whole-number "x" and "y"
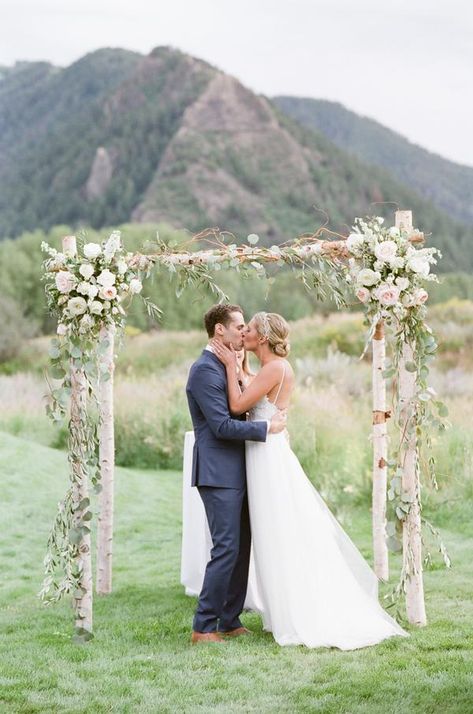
{"x": 219, "y": 314}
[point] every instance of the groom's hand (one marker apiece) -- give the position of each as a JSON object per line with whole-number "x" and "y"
{"x": 278, "y": 422}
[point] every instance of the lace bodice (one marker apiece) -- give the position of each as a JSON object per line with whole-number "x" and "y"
{"x": 264, "y": 409}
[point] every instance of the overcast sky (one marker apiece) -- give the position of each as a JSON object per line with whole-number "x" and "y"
{"x": 406, "y": 63}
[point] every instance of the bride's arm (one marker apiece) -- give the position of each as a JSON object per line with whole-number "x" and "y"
{"x": 265, "y": 380}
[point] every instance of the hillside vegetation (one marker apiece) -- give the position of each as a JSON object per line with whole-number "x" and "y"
{"x": 121, "y": 137}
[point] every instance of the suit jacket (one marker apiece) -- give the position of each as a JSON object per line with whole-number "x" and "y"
{"x": 219, "y": 450}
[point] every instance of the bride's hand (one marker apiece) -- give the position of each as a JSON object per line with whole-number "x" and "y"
{"x": 227, "y": 355}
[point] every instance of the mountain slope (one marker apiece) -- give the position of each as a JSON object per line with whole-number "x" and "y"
{"x": 445, "y": 183}
{"x": 118, "y": 136}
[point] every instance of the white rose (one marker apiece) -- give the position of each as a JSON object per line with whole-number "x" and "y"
{"x": 83, "y": 288}
{"x": 397, "y": 262}
{"x": 387, "y": 294}
{"x": 106, "y": 278}
{"x": 92, "y": 250}
{"x": 86, "y": 270}
{"x": 378, "y": 265}
{"x": 408, "y": 300}
{"x": 108, "y": 292}
{"x": 402, "y": 283}
{"x": 122, "y": 267}
{"x": 418, "y": 265}
{"x": 76, "y": 306}
{"x": 386, "y": 251}
{"x": 93, "y": 291}
{"x": 368, "y": 277}
{"x": 363, "y": 294}
{"x": 135, "y": 286}
{"x": 420, "y": 296}
{"x": 86, "y": 323}
{"x": 65, "y": 281}
{"x": 61, "y": 329}
{"x": 95, "y": 307}
{"x": 354, "y": 242}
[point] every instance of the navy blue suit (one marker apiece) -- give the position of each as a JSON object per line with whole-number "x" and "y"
{"x": 219, "y": 472}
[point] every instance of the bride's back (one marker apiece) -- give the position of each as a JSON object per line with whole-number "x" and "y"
{"x": 280, "y": 394}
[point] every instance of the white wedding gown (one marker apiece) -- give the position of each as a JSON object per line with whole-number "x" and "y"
{"x": 314, "y": 586}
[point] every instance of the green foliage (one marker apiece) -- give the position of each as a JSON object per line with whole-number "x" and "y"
{"x": 15, "y": 328}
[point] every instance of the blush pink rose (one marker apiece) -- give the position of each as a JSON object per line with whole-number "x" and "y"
{"x": 108, "y": 292}
{"x": 420, "y": 296}
{"x": 387, "y": 294}
{"x": 65, "y": 281}
{"x": 363, "y": 294}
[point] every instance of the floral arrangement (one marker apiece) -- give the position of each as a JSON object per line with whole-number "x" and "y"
{"x": 86, "y": 290}
{"x": 387, "y": 273}
{"x": 386, "y": 270}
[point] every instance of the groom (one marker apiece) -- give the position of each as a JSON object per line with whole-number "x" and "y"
{"x": 219, "y": 472}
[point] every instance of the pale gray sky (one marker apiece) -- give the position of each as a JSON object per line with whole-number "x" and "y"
{"x": 406, "y": 63}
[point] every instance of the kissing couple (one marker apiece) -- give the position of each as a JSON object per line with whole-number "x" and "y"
{"x": 314, "y": 586}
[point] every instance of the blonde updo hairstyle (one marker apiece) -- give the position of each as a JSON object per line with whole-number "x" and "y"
{"x": 275, "y": 329}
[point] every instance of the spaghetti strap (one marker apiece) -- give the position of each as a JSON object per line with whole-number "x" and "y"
{"x": 280, "y": 384}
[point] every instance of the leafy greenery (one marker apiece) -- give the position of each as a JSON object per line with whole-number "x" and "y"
{"x": 15, "y": 328}
{"x": 23, "y": 257}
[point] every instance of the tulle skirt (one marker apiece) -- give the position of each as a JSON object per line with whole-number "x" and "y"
{"x": 314, "y": 586}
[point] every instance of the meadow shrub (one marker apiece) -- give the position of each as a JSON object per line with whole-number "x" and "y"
{"x": 15, "y": 328}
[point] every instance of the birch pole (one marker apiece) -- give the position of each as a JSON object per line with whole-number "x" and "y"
{"x": 411, "y": 533}
{"x": 107, "y": 464}
{"x": 380, "y": 455}
{"x": 77, "y": 438}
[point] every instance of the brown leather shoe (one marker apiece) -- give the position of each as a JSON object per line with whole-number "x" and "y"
{"x": 206, "y": 637}
{"x": 237, "y": 632}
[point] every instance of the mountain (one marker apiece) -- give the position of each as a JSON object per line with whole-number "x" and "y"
{"x": 119, "y": 137}
{"x": 447, "y": 184}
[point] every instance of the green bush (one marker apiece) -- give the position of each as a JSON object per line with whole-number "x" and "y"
{"x": 143, "y": 443}
{"x": 15, "y": 328}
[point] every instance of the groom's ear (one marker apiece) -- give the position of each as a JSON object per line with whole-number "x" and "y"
{"x": 218, "y": 329}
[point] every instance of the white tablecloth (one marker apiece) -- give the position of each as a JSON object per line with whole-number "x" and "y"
{"x": 196, "y": 540}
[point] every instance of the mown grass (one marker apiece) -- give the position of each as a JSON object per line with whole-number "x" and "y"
{"x": 141, "y": 660}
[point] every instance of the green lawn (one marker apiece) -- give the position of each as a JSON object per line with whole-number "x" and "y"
{"x": 141, "y": 660}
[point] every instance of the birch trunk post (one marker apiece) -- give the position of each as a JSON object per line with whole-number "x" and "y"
{"x": 380, "y": 455}
{"x": 411, "y": 534}
{"x": 107, "y": 465}
{"x": 83, "y": 603}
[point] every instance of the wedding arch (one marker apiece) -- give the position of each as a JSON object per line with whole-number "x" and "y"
{"x": 88, "y": 288}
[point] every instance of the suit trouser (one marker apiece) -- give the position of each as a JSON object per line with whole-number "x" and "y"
{"x": 226, "y": 577}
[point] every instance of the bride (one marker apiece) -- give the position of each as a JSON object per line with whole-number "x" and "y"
{"x": 315, "y": 587}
